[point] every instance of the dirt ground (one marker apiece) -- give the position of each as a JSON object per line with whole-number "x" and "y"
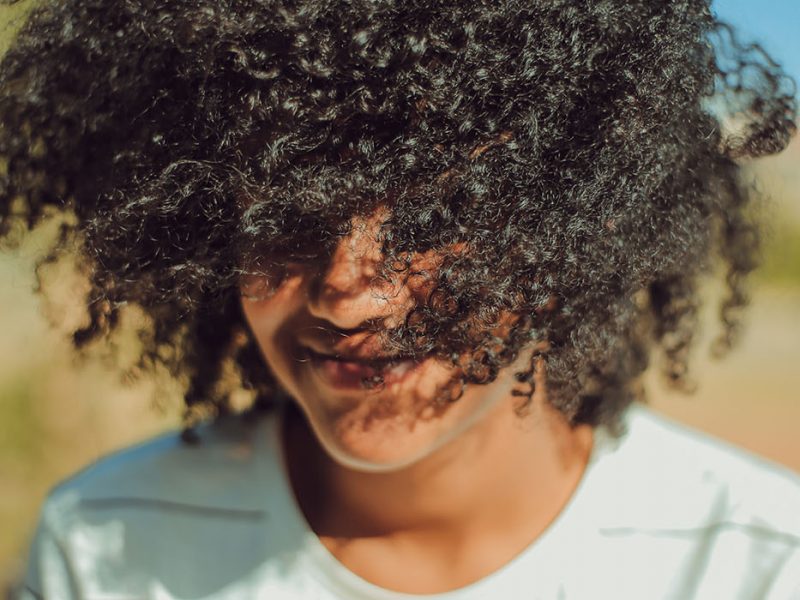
{"x": 752, "y": 396}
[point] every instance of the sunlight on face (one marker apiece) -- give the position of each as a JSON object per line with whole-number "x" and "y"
{"x": 309, "y": 327}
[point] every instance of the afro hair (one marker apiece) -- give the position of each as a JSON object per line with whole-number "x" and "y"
{"x": 581, "y": 152}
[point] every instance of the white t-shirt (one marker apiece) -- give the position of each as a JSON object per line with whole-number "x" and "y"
{"x": 663, "y": 512}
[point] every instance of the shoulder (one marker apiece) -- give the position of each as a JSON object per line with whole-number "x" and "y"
{"x": 689, "y": 516}
{"x": 116, "y": 527}
{"x": 213, "y": 474}
{"x": 698, "y": 481}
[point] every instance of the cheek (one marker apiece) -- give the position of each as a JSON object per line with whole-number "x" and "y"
{"x": 269, "y": 321}
{"x": 268, "y": 316}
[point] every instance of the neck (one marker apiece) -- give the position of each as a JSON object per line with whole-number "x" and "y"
{"x": 507, "y": 474}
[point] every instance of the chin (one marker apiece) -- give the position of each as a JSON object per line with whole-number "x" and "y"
{"x": 373, "y": 438}
{"x": 394, "y": 428}
{"x": 366, "y": 438}
{"x": 377, "y": 453}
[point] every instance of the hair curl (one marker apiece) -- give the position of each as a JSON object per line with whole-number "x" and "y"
{"x": 577, "y": 150}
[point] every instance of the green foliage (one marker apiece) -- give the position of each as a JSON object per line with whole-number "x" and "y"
{"x": 782, "y": 255}
{"x": 21, "y": 429}
{"x": 11, "y": 18}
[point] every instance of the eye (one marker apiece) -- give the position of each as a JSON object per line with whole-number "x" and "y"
{"x": 256, "y": 287}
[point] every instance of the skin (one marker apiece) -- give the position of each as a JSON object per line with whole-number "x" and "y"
{"x": 450, "y": 493}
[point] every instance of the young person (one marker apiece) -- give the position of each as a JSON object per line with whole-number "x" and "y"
{"x": 438, "y": 242}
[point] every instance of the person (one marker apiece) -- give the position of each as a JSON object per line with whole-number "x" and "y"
{"x": 438, "y": 243}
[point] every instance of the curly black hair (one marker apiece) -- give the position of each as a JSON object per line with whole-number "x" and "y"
{"x": 575, "y": 153}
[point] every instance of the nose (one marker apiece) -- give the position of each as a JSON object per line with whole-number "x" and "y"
{"x": 348, "y": 292}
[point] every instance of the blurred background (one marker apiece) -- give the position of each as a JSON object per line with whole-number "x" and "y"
{"x": 57, "y": 415}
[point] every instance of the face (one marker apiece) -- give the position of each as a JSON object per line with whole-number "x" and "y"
{"x": 310, "y": 328}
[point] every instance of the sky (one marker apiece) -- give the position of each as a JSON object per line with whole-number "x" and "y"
{"x": 772, "y": 23}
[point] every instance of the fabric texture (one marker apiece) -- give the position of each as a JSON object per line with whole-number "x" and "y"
{"x": 662, "y": 512}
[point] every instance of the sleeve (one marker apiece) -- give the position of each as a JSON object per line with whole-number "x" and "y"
{"x": 49, "y": 574}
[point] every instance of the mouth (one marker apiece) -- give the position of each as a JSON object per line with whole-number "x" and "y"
{"x": 351, "y": 372}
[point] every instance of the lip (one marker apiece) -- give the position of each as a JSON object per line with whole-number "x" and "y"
{"x": 357, "y": 347}
{"x": 345, "y": 372}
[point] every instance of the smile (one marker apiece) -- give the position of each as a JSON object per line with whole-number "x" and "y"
{"x": 347, "y": 373}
